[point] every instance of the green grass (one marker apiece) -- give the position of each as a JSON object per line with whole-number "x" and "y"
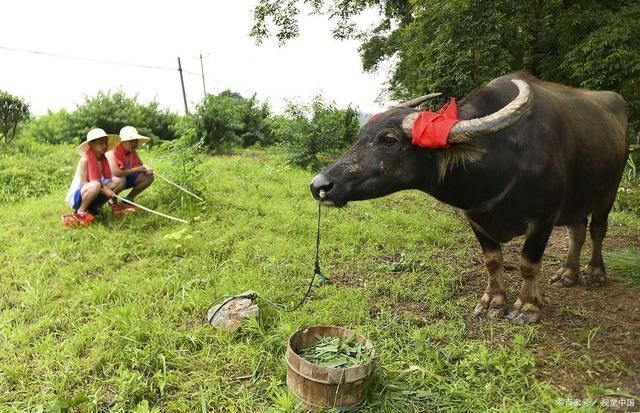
{"x": 111, "y": 318}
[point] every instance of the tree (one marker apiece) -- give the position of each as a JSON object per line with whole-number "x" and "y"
{"x": 106, "y": 110}
{"x": 112, "y": 111}
{"x": 309, "y": 130}
{"x": 228, "y": 120}
{"x": 457, "y": 45}
{"x": 13, "y": 110}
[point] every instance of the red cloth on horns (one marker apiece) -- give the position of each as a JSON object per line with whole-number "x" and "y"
{"x": 97, "y": 169}
{"x": 121, "y": 158}
{"x": 431, "y": 129}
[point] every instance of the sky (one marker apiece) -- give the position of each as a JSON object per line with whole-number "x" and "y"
{"x": 155, "y": 33}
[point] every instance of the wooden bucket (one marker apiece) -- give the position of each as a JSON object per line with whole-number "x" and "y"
{"x": 323, "y": 386}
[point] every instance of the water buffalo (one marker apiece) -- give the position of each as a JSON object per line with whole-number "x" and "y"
{"x": 527, "y": 155}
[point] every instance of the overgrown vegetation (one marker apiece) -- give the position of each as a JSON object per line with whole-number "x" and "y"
{"x": 30, "y": 169}
{"x": 220, "y": 124}
{"x": 455, "y": 46}
{"x": 111, "y": 318}
{"x": 629, "y": 191}
{"x": 624, "y": 264}
{"x": 227, "y": 120}
{"x": 13, "y": 110}
{"x": 109, "y": 111}
{"x": 314, "y": 129}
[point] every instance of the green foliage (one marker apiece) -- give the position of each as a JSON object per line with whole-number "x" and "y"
{"x": 337, "y": 352}
{"x": 29, "y": 169}
{"x": 106, "y": 110}
{"x": 111, "y": 317}
{"x": 112, "y": 111}
{"x": 625, "y": 264}
{"x": 184, "y": 164}
{"x": 608, "y": 57}
{"x": 310, "y": 130}
{"x": 13, "y": 110}
{"x": 53, "y": 128}
{"x": 629, "y": 191}
{"x": 228, "y": 120}
{"x": 455, "y": 46}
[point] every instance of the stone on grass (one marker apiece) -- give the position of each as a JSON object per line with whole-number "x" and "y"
{"x": 233, "y": 313}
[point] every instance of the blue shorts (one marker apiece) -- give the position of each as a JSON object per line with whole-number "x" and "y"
{"x": 94, "y": 207}
{"x": 131, "y": 180}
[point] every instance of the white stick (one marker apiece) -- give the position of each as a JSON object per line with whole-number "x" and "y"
{"x": 151, "y": 210}
{"x": 176, "y": 185}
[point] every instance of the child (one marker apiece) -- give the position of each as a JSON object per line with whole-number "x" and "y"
{"x": 93, "y": 183}
{"x": 125, "y": 162}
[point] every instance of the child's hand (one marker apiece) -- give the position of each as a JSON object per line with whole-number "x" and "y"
{"x": 108, "y": 192}
{"x": 147, "y": 170}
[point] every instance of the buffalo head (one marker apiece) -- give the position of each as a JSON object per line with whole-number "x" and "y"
{"x": 383, "y": 160}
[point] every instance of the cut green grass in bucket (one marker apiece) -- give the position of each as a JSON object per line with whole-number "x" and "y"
{"x": 337, "y": 352}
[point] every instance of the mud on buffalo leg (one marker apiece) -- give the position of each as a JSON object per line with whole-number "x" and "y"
{"x": 570, "y": 271}
{"x": 527, "y": 307}
{"x": 494, "y": 300}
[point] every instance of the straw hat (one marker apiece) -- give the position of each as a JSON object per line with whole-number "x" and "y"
{"x": 129, "y": 133}
{"x": 97, "y": 133}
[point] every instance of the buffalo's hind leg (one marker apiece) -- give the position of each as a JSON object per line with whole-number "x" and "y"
{"x": 594, "y": 274}
{"x": 494, "y": 301}
{"x": 569, "y": 274}
{"x": 526, "y": 309}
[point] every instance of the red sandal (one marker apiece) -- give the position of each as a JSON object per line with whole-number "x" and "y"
{"x": 123, "y": 209}
{"x": 82, "y": 219}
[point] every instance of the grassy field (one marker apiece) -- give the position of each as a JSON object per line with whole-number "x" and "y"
{"x": 111, "y": 318}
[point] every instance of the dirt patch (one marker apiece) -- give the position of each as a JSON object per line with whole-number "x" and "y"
{"x": 597, "y": 329}
{"x": 586, "y": 336}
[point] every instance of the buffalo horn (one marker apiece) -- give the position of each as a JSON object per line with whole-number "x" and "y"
{"x": 416, "y": 101}
{"x": 507, "y": 116}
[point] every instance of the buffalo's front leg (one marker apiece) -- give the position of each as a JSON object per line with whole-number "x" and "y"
{"x": 493, "y": 301}
{"x": 527, "y": 307}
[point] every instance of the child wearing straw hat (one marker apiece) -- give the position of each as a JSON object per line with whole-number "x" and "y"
{"x": 93, "y": 183}
{"x": 125, "y": 162}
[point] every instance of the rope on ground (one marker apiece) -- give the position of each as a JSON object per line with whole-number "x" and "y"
{"x": 316, "y": 272}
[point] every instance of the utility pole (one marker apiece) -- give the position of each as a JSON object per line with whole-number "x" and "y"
{"x": 204, "y": 88}
{"x": 184, "y": 94}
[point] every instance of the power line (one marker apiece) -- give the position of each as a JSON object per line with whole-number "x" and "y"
{"x": 138, "y": 65}
{"x": 89, "y": 59}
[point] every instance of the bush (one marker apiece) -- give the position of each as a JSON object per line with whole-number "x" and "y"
{"x": 107, "y": 111}
{"x": 185, "y": 166}
{"x": 31, "y": 169}
{"x": 629, "y": 192}
{"x": 13, "y": 110}
{"x": 313, "y": 129}
{"x": 228, "y": 120}
{"x": 53, "y": 128}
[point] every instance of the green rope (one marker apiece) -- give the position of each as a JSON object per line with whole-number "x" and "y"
{"x": 316, "y": 272}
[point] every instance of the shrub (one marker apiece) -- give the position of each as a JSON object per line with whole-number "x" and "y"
{"x": 109, "y": 111}
{"x": 31, "y": 169}
{"x": 13, "y": 110}
{"x": 186, "y": 159}
{"x": 228, "y": 120}
{"x": 629, "y": 192}
{"x": 52, "y": 128}
{"x": 311, "y": 130}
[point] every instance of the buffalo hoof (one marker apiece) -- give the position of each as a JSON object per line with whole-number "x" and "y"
{"x": 491, "y": 306}
{"x": 594, "y": 276}
{"x": 564, "y": 277}
{"x": 524, "y": 313}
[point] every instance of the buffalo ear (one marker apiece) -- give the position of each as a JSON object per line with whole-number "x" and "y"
{"x": 417, "y": 101}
